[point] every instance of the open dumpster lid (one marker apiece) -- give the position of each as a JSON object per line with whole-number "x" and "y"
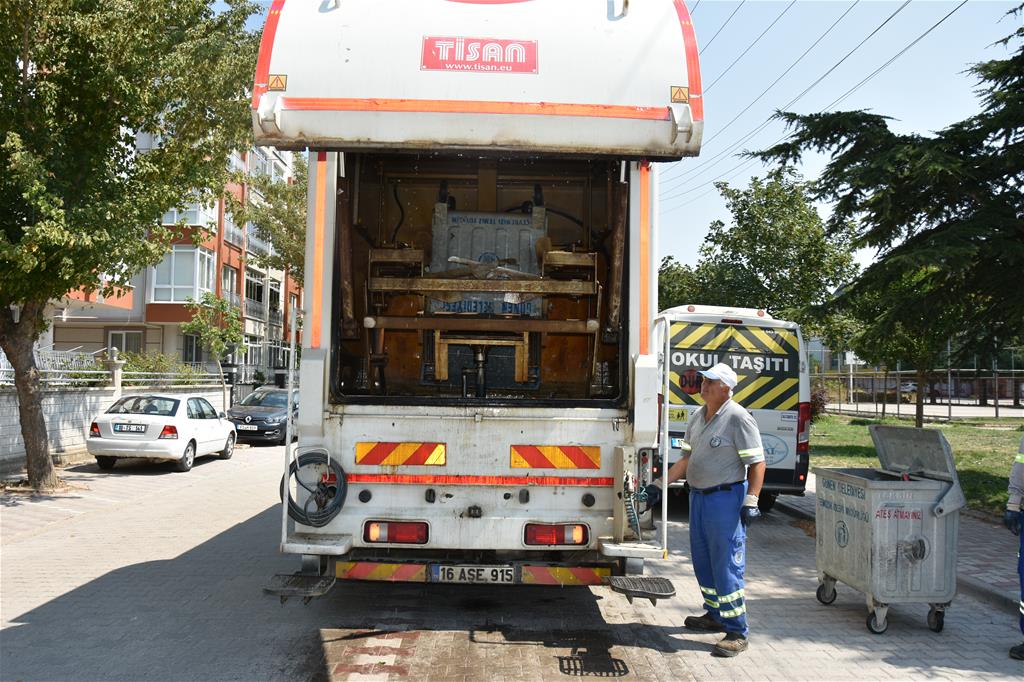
{"x": 614, "y": 78}
{"x": 922, "y": 452}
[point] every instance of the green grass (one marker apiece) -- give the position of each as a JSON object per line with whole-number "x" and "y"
{"x": 982, "y": 449}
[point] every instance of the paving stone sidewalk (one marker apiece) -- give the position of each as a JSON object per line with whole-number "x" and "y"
{"x": 144, "y": 573}
{"x": 987, "y": 556}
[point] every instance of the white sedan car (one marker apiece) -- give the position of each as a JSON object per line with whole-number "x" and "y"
{"x": 177, "y": 428}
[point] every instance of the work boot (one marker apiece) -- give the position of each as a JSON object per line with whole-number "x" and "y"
{"x": 1017, "y": 652}
{"x": 731, "y": 644}
{"x": 705, "y": 623}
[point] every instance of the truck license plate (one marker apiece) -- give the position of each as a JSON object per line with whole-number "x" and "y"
{"x": 130, "y": 428}
{"x": 246, "y": 427}
{"x": 472, "y": 574}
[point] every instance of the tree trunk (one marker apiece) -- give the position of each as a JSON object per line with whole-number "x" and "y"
{"x": 16, "y": 340}
{"x": 919, "y": 412}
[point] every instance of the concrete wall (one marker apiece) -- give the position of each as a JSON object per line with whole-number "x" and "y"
{"x": 68, "y": 413}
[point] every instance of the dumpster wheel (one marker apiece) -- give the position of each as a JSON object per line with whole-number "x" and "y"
{"x": 874, "y": 626}
{"x": 936, "y": 619}
{"x": 826, "y": 593}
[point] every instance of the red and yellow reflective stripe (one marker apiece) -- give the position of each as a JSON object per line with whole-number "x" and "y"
{"x": 426, "y": 479}
{"x": 555, "y": 457}
{"x": 563, "y": 575}
{"x": 370, "y": 570}
{"x": 397, "y": 454}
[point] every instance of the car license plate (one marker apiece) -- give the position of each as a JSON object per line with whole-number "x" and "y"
{"x": 246, "y": 427}
{"x": 129, "y": 428}
{"x": 472, "y": 574}
{"x": 677, "y": 443}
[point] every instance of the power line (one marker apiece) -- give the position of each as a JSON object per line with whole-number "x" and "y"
{"x": 695, "y": 6}
{"x": 714, "y": 159}
{"x": 751, "y": 45}
{"x": 894, "y": 57}
{"x": 830, "y": 105}
{"x": 783, "y": 74}
{"x": 701, "y": 51}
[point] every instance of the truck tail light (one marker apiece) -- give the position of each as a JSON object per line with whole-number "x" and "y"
{"x": 803, "y": 428}
{"x": 169, "y": 432}
{"x": 396, "y": 532}
{"x": 557, "y": 534}
{"x": 94, "y": 430}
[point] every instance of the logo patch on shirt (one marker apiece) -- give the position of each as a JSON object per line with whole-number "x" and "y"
{"x": 716, "y": 441}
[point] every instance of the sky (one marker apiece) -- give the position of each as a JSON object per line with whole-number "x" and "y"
{"x": 924, "y": 90}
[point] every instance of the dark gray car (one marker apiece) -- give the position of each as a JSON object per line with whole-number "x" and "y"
{"x": 261, "y": 416}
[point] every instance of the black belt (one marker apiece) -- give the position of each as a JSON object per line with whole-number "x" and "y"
{"x": 717, "y": 488}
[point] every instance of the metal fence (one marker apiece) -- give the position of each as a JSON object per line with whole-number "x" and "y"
{"x": 73, "y": 368}
{"x": 61, "y": 368}
{"x": 985, "y": 392}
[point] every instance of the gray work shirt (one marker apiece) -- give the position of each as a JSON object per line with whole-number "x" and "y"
{"x": 1016, "y": 488}
{"x": 720, "y": 450}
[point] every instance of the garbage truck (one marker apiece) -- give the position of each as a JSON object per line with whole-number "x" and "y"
{"x": 478, "y": 378}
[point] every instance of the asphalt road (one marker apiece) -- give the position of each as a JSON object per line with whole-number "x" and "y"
{"x": 144, "y": 573}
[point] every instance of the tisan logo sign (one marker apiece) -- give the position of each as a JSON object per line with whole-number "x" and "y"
{"x": 493, "y": 55}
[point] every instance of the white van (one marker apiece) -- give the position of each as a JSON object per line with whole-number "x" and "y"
{"x": 770, "y": 361}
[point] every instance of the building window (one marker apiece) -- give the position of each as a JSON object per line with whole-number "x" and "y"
{"x": 192, "y": 349}
{"x": 228, "y": 280}
{"x": 125, "y": 341}
{"x": 253, "y": 286}
{"x": 254, "y": 351}
{"x": 275, "y": 295}
{"x": 193, "y": 214}
{"x": 185, "y": 272}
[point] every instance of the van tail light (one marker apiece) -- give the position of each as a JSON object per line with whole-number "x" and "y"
{"x": 396, "y": 532}
{"x": 94, "y": 430}
{"x": 803, "y": 428}
{"x": 169, "y": 432}
{"x": 557, "y": 534}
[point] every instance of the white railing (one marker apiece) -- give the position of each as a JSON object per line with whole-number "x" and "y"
{"x": 61, "y": 368}
{"x": 167, "y": 379}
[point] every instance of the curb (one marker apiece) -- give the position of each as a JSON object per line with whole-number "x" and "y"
{"x": 977, "y": 589}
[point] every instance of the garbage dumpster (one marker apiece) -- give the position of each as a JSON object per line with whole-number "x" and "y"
{"x": 892, "y": 533}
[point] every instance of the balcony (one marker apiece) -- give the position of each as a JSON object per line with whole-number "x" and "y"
{"x": 233, "y": 235}
{"x": 276, "y": 316}
{"x": 254, "y": 309}
{"x": 256, "y": 245}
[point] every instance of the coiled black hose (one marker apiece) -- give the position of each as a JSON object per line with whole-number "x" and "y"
{"x": 329, "y": 497}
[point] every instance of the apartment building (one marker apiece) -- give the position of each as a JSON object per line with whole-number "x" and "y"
{"x": 148, "y": 315}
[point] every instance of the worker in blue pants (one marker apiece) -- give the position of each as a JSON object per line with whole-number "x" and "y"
{"x": 717, "y": 541}
{"x": 723, "y": 461}
{"x": 1012, "y": 519}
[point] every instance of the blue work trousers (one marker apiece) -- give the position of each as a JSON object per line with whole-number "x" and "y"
{"x": 718, "y": 549}
{"x": 1020, "y": 574}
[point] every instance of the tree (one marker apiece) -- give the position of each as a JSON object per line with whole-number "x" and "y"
{"x": 82, "y": 84}
{"x": 277, "y": 209}
{"x": 677, "y": 283}
{"x": 776, "y": 254}
{"x": 218, "y": 326}
{"x": 944, "y": 211}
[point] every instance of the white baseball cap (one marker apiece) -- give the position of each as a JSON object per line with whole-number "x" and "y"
{"x": 723, "y": 373}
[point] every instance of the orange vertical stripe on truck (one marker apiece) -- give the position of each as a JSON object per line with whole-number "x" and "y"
{"x": 645, "y": 256}
{"x": 319, "y": 217}
{"x": 696, "y": 97}
{"x": 266, "y": 49}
